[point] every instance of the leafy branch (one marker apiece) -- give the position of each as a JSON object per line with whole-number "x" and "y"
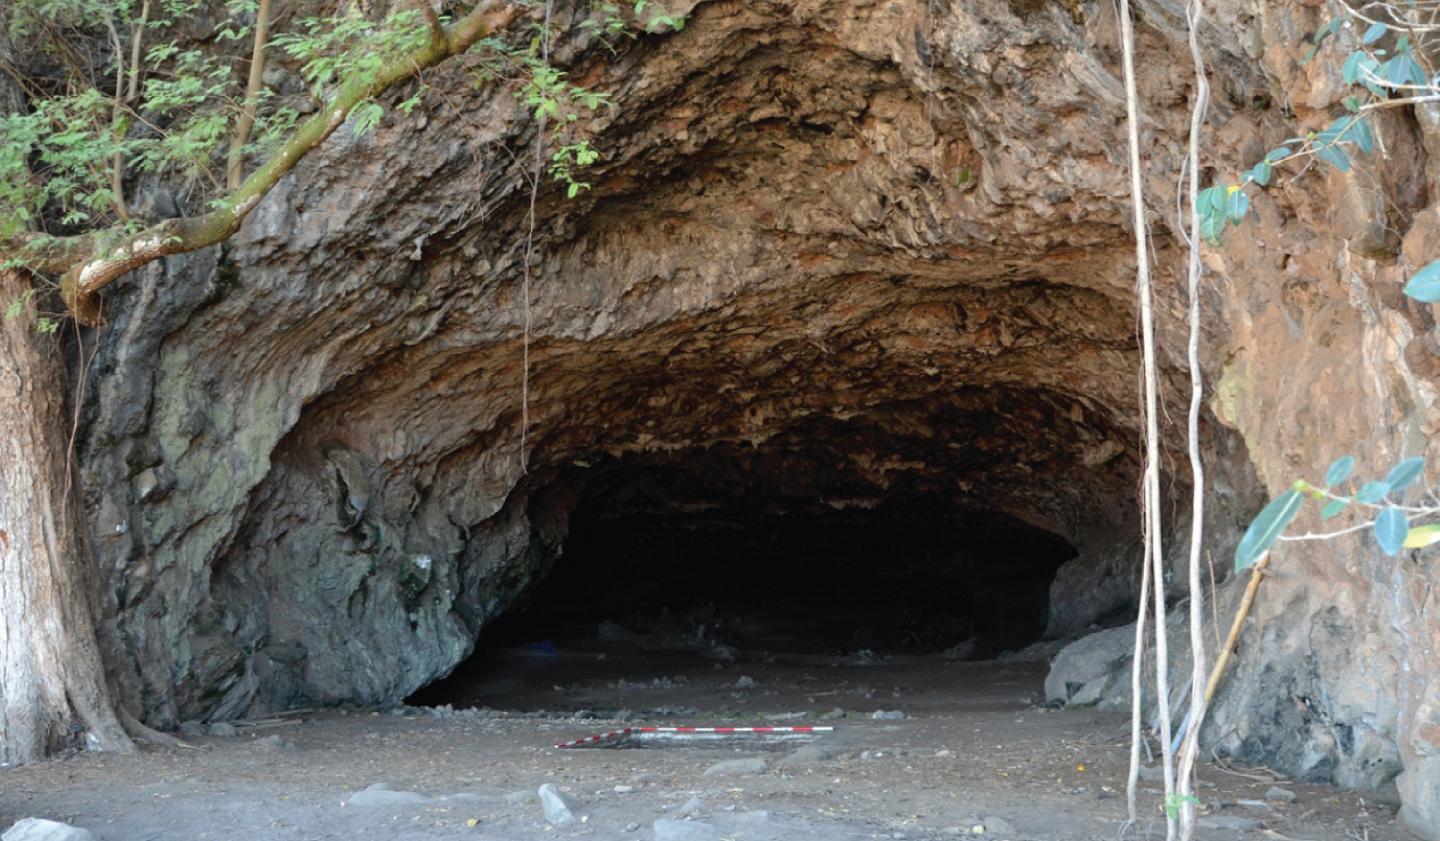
{"x": 89, "y": 261}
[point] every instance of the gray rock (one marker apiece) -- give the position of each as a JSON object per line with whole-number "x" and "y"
{"x": 1280, "y": 795}
{"x": 559, "y": 808}
{"x": 191, "y": 729}
{"x": 1234, "y": 823}
{"x": 1093, "y": 669}
{"x": 745, "y": 682}
{"x": 887, "y": 715}
{"x": 809, "y": 755}
{"x": 382, "y": 794}
{"x": 273, "y": 742}
{"x": 736, "y": 768}
{"x": 995, "y": 825}
{"x": 39, "y": 829}
{"x": 223, "y": 729}
{"x": 523, "y": 796}
{"x": 692, "y": 806}
{"x": 668, "y": 830}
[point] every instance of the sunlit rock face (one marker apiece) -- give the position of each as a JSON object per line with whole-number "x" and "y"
{"x": 852, "y": 253}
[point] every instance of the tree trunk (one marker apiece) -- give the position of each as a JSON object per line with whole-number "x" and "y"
{"x": 52, "y": 683}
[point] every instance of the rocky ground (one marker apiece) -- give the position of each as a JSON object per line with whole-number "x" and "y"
{"x": 958, "y": 749}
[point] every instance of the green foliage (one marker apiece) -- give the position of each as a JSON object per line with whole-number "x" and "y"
{"x": 1404, "y": 474}
{"x": 1339, "y": 470}
{"x": 1390, "y": 529}
{"x": 1376, "y": 73}
{"x": 1424, "y": 285}
{"x": 1392, "y": 524}
{"x": 1175, "y": 800}
{"x": 349, "y": 47}
{"x": 17, "y": 306}
{"x": 1267, "y": 528}
{"x": 566, "y": 160}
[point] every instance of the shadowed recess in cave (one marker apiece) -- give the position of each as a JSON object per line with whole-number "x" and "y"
{"x": 731, "y": 553}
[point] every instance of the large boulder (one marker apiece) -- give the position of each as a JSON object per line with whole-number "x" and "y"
{"x": 1093, "y": 670}
{"x": 40, "y": 829}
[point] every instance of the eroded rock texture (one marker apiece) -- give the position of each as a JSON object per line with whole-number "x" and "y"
{"x": 882, "y": 246}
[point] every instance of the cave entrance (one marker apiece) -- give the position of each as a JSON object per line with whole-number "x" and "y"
{"x": 739, "y": 558}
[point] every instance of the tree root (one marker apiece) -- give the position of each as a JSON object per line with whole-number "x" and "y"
{"x": 140, "y": 732}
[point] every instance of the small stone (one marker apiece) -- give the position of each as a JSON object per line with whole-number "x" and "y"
{"x": 808, "y": 755}
{"x": 624, "y": 789}
{"x": 191, "y": 729}
{"x": 39, "y": 829}
{"x": 745, "y": 682}
{"x": 382, "y": 794}
{"x": 223, "y": 729}
{"x": 692, "y": 806}
{"x": 517, "y": 797}
{"x": 996, "y": 825}
{"x": 833, "y": 714}
{"x": 559, "y": 808}
{"x": 1154, "y": 774}
{"x": 1230, "y": 822}
{"x": 273, "y": 742}
{"x": 736, "y": 768}
{"x": 668, "y": 830}
{"x": 887, "y": 715}
{"x": 631, "y": 827}
{"x": 1280, "y": 795}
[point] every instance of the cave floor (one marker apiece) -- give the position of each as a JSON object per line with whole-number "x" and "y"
{"x": 972, "y": 751}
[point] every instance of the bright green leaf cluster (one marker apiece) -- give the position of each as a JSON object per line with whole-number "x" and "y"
{"x": 1391, "y": 527}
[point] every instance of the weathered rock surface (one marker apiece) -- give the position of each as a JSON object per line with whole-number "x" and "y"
{"x": 736, "y": 768}
{"x": 559, "y": 808}
{"x": 837, "y": 255}
{"x": 40, "y": 829}
{"x": 1093, "y": 670}
{"x": 383, "y": 794}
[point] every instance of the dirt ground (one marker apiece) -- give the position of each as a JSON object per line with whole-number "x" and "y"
{"x": 973, "y": 756}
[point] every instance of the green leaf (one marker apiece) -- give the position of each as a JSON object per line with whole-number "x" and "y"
{"x": 1390, "y": 530}
{"x": 1266, "y": 528}
{"x": 1422, "y": 536}
{"x": 1358, "y": 132}
{"x": 1401, "y": 70}
{"x": 1372, "y": 492}
{"x": 1339, "y": 470}
{"x": 1210, "y": 199}
{"x": 1405, "y": 473}
{"x": 1376, "y": 31}
{"x": 1334, "y": 508}
{"x": 1424, "y": 285}
{"x": 1335, "y": 156}
{"x": 1212, "y": 225}
{"x": 1277, "y": 153}
{"x": 1236, "y": 204}
{"x": 1261, "y": 173}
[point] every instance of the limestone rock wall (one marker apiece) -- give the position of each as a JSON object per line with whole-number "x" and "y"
{"x": 894, "y": 228}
